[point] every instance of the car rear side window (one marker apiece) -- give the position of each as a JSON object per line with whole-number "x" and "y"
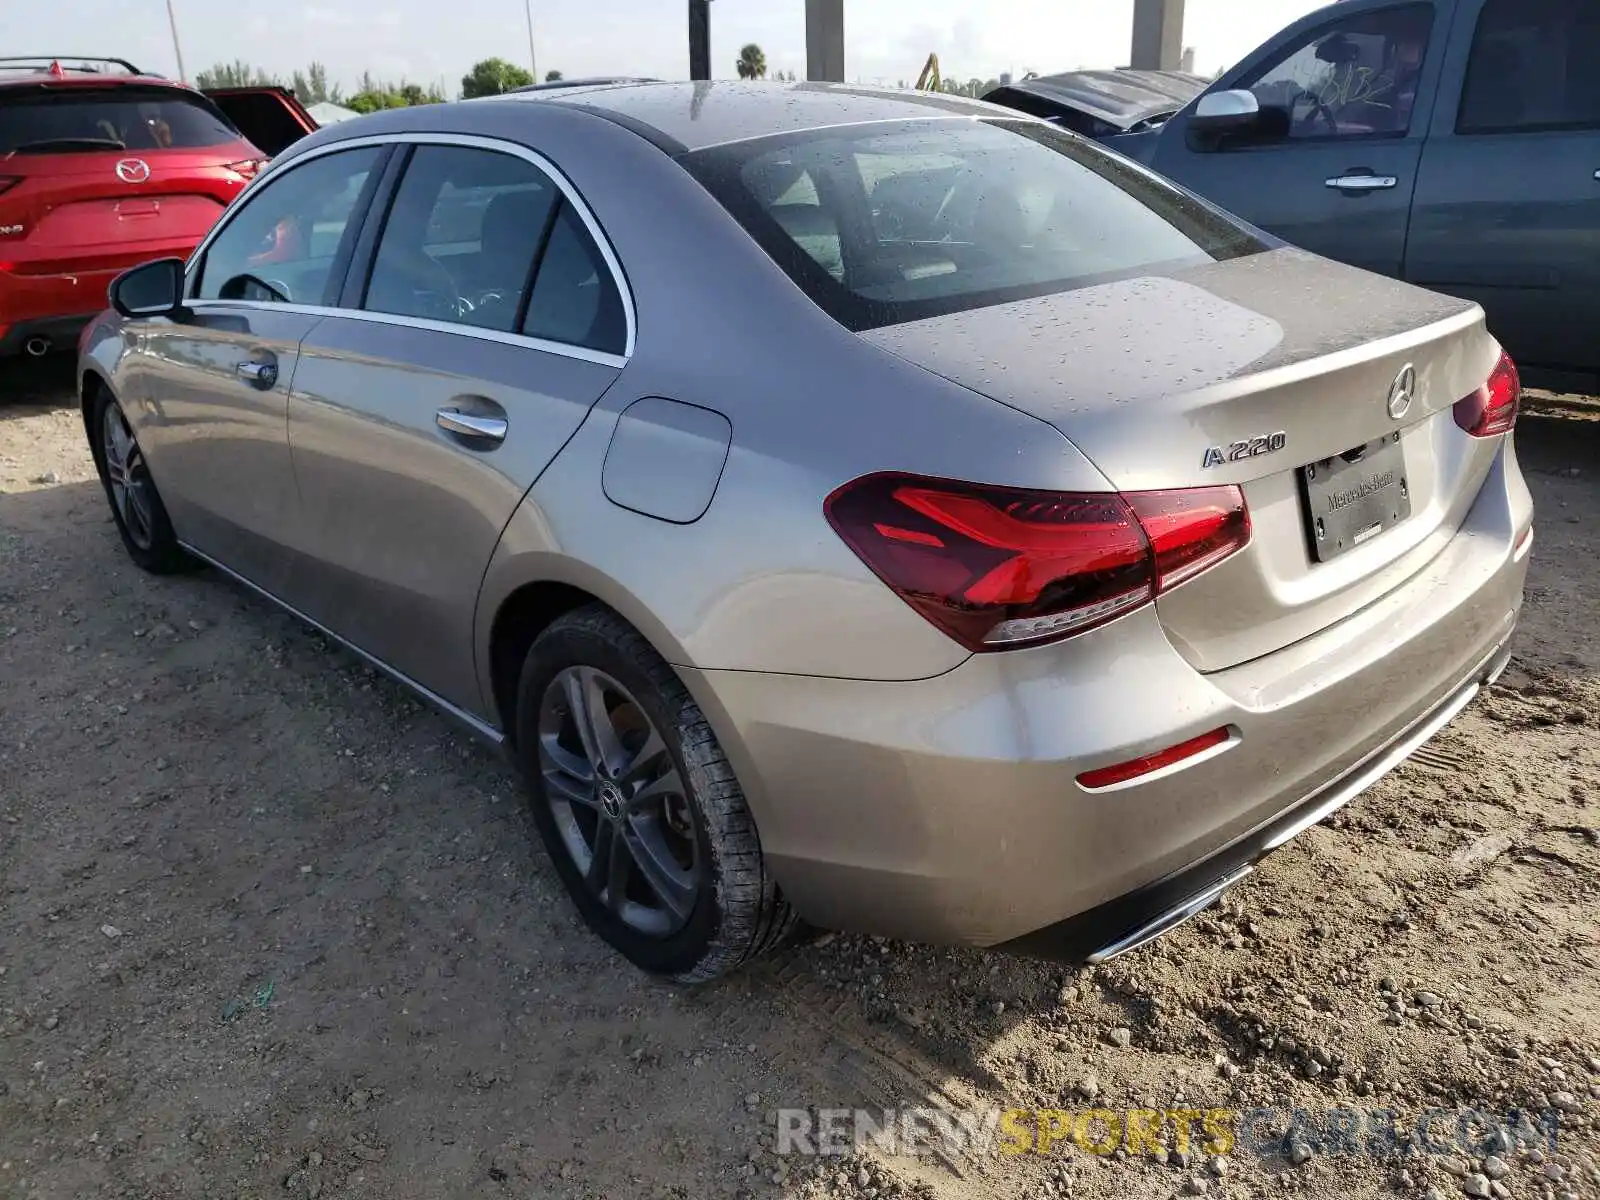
{"x": 76, "y": 119}
{"x": 282, "y": 245}
{"x": 461, "y": 237}
{"x": 881, "y": 225}
{"x": 1532, "y": 67}
{"x": 575, "y": 298}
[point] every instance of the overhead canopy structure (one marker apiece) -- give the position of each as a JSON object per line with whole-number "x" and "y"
{"x": 1157, "y": 37}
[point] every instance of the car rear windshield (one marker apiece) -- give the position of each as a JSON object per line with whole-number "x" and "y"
{"x": 882, "y": 224}
{"x": 73, "y": 120}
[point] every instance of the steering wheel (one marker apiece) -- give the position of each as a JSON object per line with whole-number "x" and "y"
{"x": 1320, "y": 109}
{"x": 235, "y": 287}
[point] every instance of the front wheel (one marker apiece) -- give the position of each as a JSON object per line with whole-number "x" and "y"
{"x": 136, "y": 506}
{"x": 637, "y": 805}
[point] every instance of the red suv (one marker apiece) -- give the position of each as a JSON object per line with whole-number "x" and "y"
{"x": 103, "y": 167}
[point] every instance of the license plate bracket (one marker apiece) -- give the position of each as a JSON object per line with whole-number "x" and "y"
{"x": 1352, "y": 497}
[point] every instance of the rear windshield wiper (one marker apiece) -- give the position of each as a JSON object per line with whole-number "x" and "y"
{"x": 47, "y": 145}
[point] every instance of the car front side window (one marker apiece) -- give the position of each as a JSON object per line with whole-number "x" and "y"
{"x": 282, "y": 245}
{"x": 1353, "y": 78}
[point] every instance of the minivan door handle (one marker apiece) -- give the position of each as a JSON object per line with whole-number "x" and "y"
{"x": 471, "y": 426}
{"x": 1363, "y": 183}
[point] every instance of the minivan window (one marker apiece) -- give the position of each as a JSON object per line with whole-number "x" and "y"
{"x": 281, "y": 246}
{"x": 885, "y": 224}
{"x": 461, "y": 238}
{"x": 1355, "y": 77}
{"x": 1533, "y": 67}
{"x": 78, "y": 119}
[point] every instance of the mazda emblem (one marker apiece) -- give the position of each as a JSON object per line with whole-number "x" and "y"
{"x": 133, "y": 170}
{"x": 1401, "y": 391}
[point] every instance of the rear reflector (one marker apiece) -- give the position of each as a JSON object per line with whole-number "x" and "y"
{"x": 1134, "y": 768}
{"x": 996, "y": 567}
{"x": 1492, "y": 409}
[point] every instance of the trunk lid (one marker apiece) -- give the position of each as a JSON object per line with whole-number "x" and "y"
{"x": 1270, "y": 362}
{"x": 272, "y": 118}
{"x": 73, "y": 212}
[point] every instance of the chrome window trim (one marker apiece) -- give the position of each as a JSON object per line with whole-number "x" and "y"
{"x": 581, "y": 353}
{"x": 570, "y": 193}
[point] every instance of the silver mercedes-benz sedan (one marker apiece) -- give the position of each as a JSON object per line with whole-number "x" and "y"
{"x": 874, "y": 510}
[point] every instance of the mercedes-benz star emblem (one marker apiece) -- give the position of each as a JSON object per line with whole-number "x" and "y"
{"x": 611, "y": 800}
{"x": 133, "y": 170}
{"x": 1401, "y": 391}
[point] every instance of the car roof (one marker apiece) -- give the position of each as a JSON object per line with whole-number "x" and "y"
{"x": 86, "y": 79}
{"x": 1122, "y": 97}
{"x": 683, "y": 117}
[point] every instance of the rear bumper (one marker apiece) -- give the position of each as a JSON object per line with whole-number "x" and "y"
{"x": 60, "y": 332}
{"x": 59, "y": 304}
{"x": 1129, "y": 921}
{"x": 947, "y": 809}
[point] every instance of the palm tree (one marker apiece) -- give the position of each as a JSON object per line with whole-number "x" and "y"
{"x": 752, "y": 63}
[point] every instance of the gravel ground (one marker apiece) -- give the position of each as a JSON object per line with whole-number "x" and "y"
{"x": 270, "y": 928}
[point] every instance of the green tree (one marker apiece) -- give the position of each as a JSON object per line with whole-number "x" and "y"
{"x": 312, "y": 87}
{"x": 553, "y": 76}
{"x": 752, "y": 63}
{"x": 235, "y": 74}
{"x": 493, "y": 77}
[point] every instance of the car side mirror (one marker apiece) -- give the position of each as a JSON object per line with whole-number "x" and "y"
{"x": 152, "y": 289}
{"x": 1220, "y": 113}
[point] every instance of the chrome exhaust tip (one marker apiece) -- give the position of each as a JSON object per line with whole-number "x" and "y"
{"x": 36, "y": 347}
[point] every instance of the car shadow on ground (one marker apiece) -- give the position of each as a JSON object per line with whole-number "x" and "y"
{"x": 26, "y": 384}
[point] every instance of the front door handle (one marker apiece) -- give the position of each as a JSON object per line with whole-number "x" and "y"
{"x": 467, "y": 425}
{"x": 1363, "y": 183}
{"x": 260, "y": 374}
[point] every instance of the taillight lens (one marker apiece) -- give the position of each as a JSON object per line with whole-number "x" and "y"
{"x": 249, "y": 168}
{"x": 1492, "y": 409}
{"x": 996, "y": 567}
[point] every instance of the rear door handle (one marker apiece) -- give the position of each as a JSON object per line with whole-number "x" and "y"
{"x": 1363, "y": 183}
{"x": 262, "y": 374}
{"x": 467, "y": 425}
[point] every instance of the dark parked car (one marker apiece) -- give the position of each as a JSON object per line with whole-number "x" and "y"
{"x": 1451, "y": 143}
{"x": 1102, "y": 104}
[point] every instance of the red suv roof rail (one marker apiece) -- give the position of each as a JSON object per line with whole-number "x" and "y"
{"x": 60, "y": 64}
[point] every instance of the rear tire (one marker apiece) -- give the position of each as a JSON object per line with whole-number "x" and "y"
{"x": 695, "y": 899}
{"x": 136, "y": 507}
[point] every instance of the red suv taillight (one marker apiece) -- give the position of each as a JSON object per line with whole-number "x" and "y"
{"x": 1492, "y": 408}
{"x": 996, "y": 567}
{"x": 248, "y": 168}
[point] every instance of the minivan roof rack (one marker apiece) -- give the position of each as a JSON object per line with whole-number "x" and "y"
{"x": 78, "y": 63}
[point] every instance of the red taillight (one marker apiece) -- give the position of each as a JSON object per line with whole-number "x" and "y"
{"x": 247, "y": 168}
{"x": 996, "y": 567}
{"x": 1149, "y": 764}
{"x": 1492, "y": 409}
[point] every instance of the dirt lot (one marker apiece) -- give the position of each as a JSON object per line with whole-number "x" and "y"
{"x": 269, "y": 928}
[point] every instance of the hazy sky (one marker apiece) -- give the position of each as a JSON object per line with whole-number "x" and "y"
{"x": 434, "y": 40}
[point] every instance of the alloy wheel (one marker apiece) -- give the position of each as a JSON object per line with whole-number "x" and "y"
{"x": 619, "y": 802}
{"x": 129, "y": 478}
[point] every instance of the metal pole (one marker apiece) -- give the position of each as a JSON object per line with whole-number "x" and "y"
{"x": 172, "y": 19}
{"x": 527, "y": 7}
{"x": 699, "y": 39}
